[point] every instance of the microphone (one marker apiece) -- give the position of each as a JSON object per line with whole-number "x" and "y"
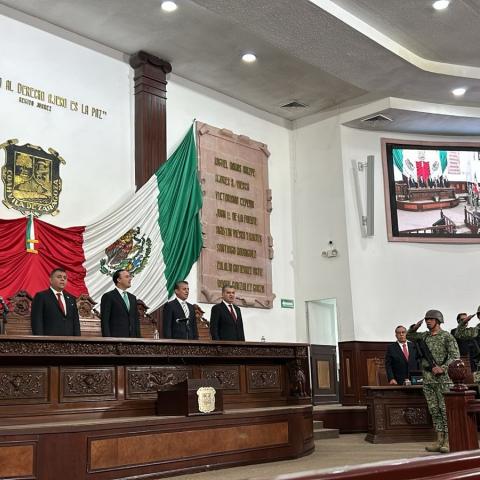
{"x": 5, "y": 308}
{"x": 178, "y": 320}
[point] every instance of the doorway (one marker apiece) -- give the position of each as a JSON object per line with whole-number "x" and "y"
{"x": 323, "y": 337}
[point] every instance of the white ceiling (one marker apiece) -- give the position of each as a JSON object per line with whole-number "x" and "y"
{"x": 322, "y": 53}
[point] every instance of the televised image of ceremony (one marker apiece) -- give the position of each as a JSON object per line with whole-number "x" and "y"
{"x": 436, "y": 192}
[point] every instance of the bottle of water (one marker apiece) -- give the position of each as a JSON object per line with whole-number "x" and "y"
{"x": 262, "y": 339}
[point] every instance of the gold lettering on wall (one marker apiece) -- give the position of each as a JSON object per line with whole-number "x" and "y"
{"x": 31, "y": 96}
{"x": 236, "y": 218}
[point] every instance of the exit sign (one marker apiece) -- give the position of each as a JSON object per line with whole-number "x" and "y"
{"x": 287, "y": 303}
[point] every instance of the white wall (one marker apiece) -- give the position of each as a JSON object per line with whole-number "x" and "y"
{"x": 395, "y": 282}
{"x": 99, "y": 169}
{"x": 319, "y": 217}
{"x": 187, "y": 101}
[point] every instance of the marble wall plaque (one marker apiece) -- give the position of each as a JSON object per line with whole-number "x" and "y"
{"x": 238, "y": 247}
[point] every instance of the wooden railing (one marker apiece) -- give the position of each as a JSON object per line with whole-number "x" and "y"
{"x": 454, "y": 466}
{"x": 433, "y": 230}
{"x": 472, "y": 221}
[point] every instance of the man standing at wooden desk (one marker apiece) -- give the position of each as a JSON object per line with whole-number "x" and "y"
{"x": 401, "y": 358}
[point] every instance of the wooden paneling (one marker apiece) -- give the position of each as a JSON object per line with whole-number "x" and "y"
{"x": 24, "y": 384}
{"x": 153, "y": 447}
{"x": 161, "y": 447}
{"x": 48, "y": 379}
{"x": 79, "y": 384}
{"x": 361, "y": 364}
{"x": 397, "y": 414}
{"x": 144, "y": 382}
{"x": 345, "y": 419}
{"x": 17, "y": 461}
{"x": 264, "y": 378}
{"x": 228, "y": 376}
{"x": 324, "y": 374}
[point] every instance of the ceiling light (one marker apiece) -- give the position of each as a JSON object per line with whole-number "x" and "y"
{"x": 169, "y": 6}
{"x": 249, "y": 57}
{"x": 458, "y": 92}
{"x": 441, "y": 4}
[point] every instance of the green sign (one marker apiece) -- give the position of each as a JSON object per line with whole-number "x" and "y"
{"x": 287, "y": 303}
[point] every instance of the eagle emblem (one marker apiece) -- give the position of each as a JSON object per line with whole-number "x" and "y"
{"x": 31, "y": 177}
{"x": 130, "y": 252}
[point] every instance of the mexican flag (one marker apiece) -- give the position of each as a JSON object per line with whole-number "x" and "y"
{"x": 404, "y": 163}
{"x": 156, "y": 236}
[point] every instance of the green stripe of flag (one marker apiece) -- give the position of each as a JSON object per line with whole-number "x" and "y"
{"x": 179, "y": 203}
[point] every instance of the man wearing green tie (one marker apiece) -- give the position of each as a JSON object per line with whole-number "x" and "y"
{"x": 118, "y": 309}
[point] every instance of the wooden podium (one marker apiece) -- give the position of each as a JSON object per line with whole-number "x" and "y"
{"x": 191, "y": 397}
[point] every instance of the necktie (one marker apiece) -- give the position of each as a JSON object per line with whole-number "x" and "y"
{"x": 126, "y": 300}
{"x": 232, "y": 312}
{"x": 60, "y": 303}
{"x": 185, "y": 310}
{"x": 405, "y": 350}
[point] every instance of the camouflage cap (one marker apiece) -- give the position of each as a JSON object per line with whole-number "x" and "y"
{"x": 435, "y": 314}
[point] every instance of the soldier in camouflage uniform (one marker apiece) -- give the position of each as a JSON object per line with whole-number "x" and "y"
{"x": 463, "y": 332}
{"x": 444, "y": 350}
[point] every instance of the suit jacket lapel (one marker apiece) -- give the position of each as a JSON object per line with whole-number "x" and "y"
{"x": 55, "y": 299}
{"x": 119, "y": 298}
{"x": 400, "y": 351}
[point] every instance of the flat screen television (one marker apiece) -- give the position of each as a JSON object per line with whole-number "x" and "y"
{"x": 432, "y": 191}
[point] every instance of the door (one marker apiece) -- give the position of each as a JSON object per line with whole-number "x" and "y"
{"x": 323, "y": 337}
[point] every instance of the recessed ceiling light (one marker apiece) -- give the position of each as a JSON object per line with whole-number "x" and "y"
{"x": 441, "y": 4}
{"x": 458, "y": 92}
{"x": 169, "y": 6}
{"x": 249, "y": 57}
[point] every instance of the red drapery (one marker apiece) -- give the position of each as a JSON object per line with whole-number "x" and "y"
{"x": 423, "y": 170}
{"x": 57, "y": 247}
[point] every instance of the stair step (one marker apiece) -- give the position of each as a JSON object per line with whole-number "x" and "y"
{"x": 324, "y": 433}
{"x": 318, "y": 424}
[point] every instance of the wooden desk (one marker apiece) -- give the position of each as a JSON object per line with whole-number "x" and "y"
{"x": 397, "y": 414}
{"x": 82, "y": 405}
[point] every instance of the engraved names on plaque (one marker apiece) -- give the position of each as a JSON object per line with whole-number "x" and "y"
{"x": 238, "y": 247}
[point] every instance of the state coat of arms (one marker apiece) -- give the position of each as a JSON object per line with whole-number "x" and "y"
{"x": 31, "y": 178}
{"x": 130, "y": 252}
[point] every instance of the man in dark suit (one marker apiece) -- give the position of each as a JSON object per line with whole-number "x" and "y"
{"x": 118, "y": 309}
{"x": 179, "y": 316}
{"x": 54, "y": 311}
{"x": 401, "y": 358}
{"x": 226, "y": 318}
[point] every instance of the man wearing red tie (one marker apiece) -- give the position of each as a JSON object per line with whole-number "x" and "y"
{"x": 54, "y": 311}
{"x": 226, "y": 318}
{"x": 401, "y": 358}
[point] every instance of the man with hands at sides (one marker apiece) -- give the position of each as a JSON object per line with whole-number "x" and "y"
{"x": 438, "y": 349}
{"x": 401, "y": 358}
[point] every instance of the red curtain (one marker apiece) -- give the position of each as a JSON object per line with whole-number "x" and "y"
{"x": 57, "y": 247}
{"x": 423, "y": 170}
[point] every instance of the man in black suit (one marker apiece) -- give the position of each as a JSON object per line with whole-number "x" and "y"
{"x": 401, "y": 358}
{"x": 179, "y": 316}
{"x": 118, "y": 308}
{"x": 226, "y": 318}
{"x": 54, "y": 311}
